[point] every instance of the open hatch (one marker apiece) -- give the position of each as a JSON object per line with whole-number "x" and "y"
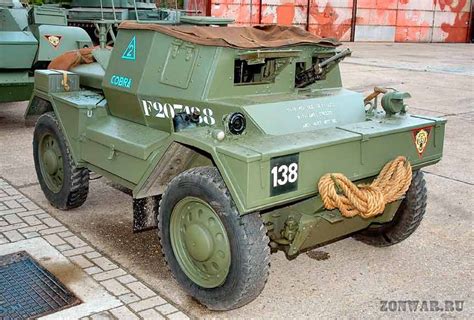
{"x": 261, "y": 66}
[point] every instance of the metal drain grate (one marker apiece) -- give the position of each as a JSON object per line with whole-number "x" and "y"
{"x": 28, "y": 290}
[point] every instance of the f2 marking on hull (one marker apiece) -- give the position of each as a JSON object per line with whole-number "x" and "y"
{"x": 168, "y": 110}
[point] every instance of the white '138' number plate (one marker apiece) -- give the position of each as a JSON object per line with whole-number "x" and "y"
{"x": 284, "y": 174}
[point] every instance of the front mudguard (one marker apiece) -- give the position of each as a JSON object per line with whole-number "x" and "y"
{"x": 358, "y": 151}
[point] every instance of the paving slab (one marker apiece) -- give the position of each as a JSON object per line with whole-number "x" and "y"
{"x": 70, "y": 266}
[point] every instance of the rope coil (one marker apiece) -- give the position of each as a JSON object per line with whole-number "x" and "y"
{"x": 366, "y": 200}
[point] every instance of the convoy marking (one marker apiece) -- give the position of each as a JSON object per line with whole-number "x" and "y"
{"x": 168, "y": 111}
{"x": 130, "y": 52}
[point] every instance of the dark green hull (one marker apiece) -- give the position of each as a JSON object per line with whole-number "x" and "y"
{"x": 126, "y": 128}
{"x": 16, "y": 92}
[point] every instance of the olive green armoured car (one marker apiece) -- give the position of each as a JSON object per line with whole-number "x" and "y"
{"x": 222, "y": 135}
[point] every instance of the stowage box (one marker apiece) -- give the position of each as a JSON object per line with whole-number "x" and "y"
{"x": 54, "y": 81}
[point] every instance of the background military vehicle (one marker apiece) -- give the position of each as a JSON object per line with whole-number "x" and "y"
{"x": 116, "y": 9}
{"x": 29, "y": 39}
{"x": 228, "y": 139}
{"x": 93, "y": 14}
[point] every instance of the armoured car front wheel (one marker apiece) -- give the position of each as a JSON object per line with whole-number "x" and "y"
{"x": 63, "y": 183}
{"x": 406, "y": 220}
{"x": 218, "y": 256}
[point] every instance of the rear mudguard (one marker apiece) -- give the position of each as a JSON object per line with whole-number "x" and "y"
{"x": 358, "y": 150}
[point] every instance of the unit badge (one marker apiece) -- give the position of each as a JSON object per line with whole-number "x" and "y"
{"x": 55, "y": 41}
{"x": 420, "y": 138}
{"x": 131, "y": 50}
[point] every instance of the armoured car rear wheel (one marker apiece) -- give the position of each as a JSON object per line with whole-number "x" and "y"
{"x": 63, "y": 183}
{"x": 219, "y": 257}
{"x": 406, "y": 219}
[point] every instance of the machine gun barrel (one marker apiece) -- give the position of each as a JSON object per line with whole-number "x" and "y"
{"x": 338, "y": 56}
{"x": 319, "y": 70}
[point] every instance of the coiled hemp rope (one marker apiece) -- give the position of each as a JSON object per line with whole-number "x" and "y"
{"x": 338, "y": 192}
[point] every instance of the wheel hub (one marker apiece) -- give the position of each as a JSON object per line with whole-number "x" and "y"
{"x": 200, "y": 242}
{"x": 50, "y": 162}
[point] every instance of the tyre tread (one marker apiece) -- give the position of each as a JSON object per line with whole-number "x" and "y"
{"x": 78, "y": 187}
{"x": 256, "y": 265}
{"x": 411, "y": 216}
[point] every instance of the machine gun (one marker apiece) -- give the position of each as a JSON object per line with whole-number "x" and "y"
{"x": 319, "y": 70}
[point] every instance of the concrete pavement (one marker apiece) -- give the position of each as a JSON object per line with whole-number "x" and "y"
{"x": 105, "y": 289}
{"x": 433, "y": 264}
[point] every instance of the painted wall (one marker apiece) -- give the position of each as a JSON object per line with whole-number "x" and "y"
{"x": 375, "y": 20}
{"x": 413, "y": 20}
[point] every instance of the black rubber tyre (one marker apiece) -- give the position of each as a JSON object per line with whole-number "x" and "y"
{"x": 249, "y": 244}
{"x": 75, "y": 183}
{"x": 405, "y": 221}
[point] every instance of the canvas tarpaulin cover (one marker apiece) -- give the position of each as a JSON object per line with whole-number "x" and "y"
{"x": 261, "y": 36}
{"x": 71, "y": 59}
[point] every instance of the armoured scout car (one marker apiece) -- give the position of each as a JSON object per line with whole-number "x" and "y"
{"x": 226, "y": 134}
{"x": 29, "y": 40}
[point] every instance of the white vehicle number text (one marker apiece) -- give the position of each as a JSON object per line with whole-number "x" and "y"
{"x": 168, "y": 110}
